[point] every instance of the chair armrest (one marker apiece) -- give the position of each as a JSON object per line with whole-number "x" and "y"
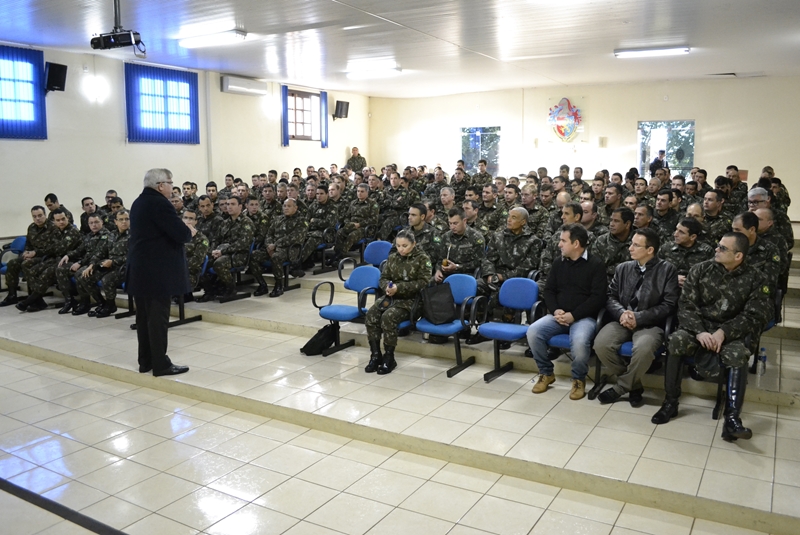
{"x": 362, "y": 297}
{"x": 329, "y": 235}
{"x": 468, "y": 302}
{"x": 330, "y": 295}
{"x": 477, "y": 273}
{"x": 670, "y": 325}
{"x": 342, "y": 263}
{"x": 538, "y": 310}
{"x": 534, "y": 275}
{"x": 599, "y": 322}
{"x": 383, "y": 263}
{"x": 473, "y": 317}
{"x": 370, "y": 232}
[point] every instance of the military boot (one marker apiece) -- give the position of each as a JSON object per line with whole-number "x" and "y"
{"x": 277, "y": 290}
{"x": 208, "y": 290}
{"x": 82, "y": 307}
{"x": 25, "y": 303}
{"x": 11, "y": 299}
{"x": 37, "y": 305}
{"x": 375, "y": 357}
{"x": 68, "y": 304}
{"x": 388, "y": 363}
{"x": 733, "y": 429}
{"x": 108, "y": 308}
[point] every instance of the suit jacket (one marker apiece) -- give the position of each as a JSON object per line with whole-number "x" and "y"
{"x": 156, "y": 259}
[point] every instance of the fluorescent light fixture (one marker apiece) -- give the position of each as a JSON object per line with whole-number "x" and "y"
{"x": 651, "y": 52}
{"x": 368, "y": 69}
{"x": 215, "y": 39}
{"x": 348, "y": 28}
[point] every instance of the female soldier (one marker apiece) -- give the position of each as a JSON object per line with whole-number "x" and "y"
{"x": 406, "y": 273}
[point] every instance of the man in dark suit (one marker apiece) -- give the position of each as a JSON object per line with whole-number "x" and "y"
{"x": 156, "y": 269}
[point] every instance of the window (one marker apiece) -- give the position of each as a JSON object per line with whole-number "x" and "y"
{"x": 22, "y": 106}
{"x": 303, "y": 113}
{"x": 162, "y": 105}
{"x": 481, "y": 143}
{"x": 674, "y": 137}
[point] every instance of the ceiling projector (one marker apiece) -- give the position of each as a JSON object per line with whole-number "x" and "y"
{"x": 115, "y": 39}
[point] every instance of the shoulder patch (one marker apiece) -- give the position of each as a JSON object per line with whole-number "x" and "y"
{"x": 776, "y": 258}
{"x": 428, "y": 264}
{"x": 765, "y": 289}
{"x": 479, "y": 240}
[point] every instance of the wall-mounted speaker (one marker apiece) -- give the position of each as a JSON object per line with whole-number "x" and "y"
{"x": 55, "y": 76}
{"x": 342, "y": 107}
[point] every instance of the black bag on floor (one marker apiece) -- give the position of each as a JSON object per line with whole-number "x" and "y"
{"x": 438, "y": 305}
{"x": 321, "y": 341}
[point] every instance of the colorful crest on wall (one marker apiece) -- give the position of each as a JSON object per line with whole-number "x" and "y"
{"x": 565, "y": 118}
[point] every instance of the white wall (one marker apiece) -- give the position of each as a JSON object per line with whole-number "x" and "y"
{"x": 86, "y": 152}
{"x": 748, "y": 122}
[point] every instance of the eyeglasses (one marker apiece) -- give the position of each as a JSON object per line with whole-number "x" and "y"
{"x": 165, "y": 182}
{"x": 725, "y": 249}
{"x": 750, "y": 203}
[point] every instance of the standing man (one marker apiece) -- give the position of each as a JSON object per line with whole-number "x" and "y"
{"x": 156, "y": 269}
{"x": 660, "y": 162}
{"x": 356, "y": 161}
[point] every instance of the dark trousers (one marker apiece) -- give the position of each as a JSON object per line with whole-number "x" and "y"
{"x": 152, "y": 321}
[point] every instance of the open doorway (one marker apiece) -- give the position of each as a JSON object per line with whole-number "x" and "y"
{"x": 675, "y": 137}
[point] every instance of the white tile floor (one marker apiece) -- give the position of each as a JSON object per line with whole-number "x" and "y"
{"x": 101, "y": 446}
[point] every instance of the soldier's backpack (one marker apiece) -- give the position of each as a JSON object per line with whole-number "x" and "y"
{"x": 322, "y": 340}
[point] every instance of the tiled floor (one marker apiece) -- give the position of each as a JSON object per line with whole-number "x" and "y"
{"x": 145, "y": 462}
{"x": 96, "y": 443}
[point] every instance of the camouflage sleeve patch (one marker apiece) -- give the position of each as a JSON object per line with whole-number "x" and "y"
{"x": 765, "y": 289}
{"x": 776, "y": 258}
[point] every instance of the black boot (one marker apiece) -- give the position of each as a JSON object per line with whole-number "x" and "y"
{"x": 81, "y": 308}
{"x": 11, "y": 299}
{"x": 208, "y": 290}
{"x": 375, "y": 357}
{"x": 733, "y": 429}
{"x": 262, "y": 289}
{"x": 106, "y": 310}
{"x": 68, "y": 304}
{"x": 230, "y": 290}
{"x": 37, "y": 305}
{"x": 277, "y": 290}
{"x": 388, "y": 363}
{"x": 668, "y": 410}
{"x": 23, "y": 305}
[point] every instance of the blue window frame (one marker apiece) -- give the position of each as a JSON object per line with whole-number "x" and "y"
{"x": 22, "y": 107}
{"x": 161, "y": 104}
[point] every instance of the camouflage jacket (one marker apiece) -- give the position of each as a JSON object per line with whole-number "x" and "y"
{"x": 714, "y": 298}
{"x": 666, "y": 224}
{"x": 357, "y": 163}
{"x": 261, "y": 224}
{"x": 716, "y": 227}
{"x": 460, "y": 189}
{"x": 780, "y": 243}
{"x": 481, "y": 179}
{"x": 287, "y": 231}
{"x": 210, "y": 226}
{"x": 196, "y": 251}
{"x": 433, "y": 191}
{"x": 271, "y": 210}
{"x": 683, "y": 258}
{"x": 467, "y": 250}
{"x": 537, "y": 219}
{"x": 494, "y": 217}
{"x": 611, "y": 251}
{"x": 512, "y": 255}
{"x": 235, "y": 236}
{"x": 321, "y": 216}
{"x": 38, "y": 238}
{"x": 362, "y": 212}
{"x": 395, "y": 201}
{"x": 430, "y": 241}
{"x": 409, "y": 273}
{"x": 92, "y": 244}
{"x": 783, "y": 226}
{"x": 65, "y": 242}
{"x": 480, "y": 226}
{"x": 764, "y": 256}
{"x": 66, "y": 213}
{"x": 118, "y": 250}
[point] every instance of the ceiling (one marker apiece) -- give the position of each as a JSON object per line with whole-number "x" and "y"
{"x": 442, "y": 46}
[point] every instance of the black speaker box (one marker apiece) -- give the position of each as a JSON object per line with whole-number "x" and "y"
{"x": 342, "y": 107}
{"x": 55, "y": 76}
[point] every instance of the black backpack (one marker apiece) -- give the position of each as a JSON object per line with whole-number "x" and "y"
{"x": 322, "y": 340}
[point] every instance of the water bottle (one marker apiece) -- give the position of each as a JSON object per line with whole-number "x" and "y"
{"x": 761, "y": 367}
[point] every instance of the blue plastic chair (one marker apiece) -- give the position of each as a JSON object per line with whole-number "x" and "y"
{"x": 464, "y": 288}
{"x": 294, "y": 254}
{"x": 237, "y": 272}
{"x": 17, "y": 246}
{"x": 361, "y": 280}
{"x": 520, "y": 294}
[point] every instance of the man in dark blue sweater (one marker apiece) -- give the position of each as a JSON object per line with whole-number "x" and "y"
{"x": 575, "y": 293}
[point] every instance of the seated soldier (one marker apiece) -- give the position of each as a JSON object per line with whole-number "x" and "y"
{"x": 108, "y": 266}
{"x": 643, "y": 216}
{"x": 396, "y": 202}
{"x": 471, "y": 212}
{"x": 322, "y": 215}
{"x": 426, "y": 236}
{"x": 177, "y": 203}
{"x": 37, "y": 243}
{"x": 208, "y": 221}
{"x": 196, "y": 251}
{"x": 189, "y": 199}
{"x": 109, "y": 220}
{"x": 446, "y": 202}
{"x": 665, "y": 219}
{"x": 717, "y": 223}
{"x": 287, "y": 230}
{"x": 89, "y": 208}
{"x": 93, "y": 243}
{"x": 642, "y": 295}
{"x": 51, "y": 201}
{"x": 106, "y": 208}
{"x": 64, "y": 239}
{"x": 493, "y": 215}
{"x": 229, "y": 249}
{"x": 723, "y": 300}
{"x": 614, "y": 246}
{"x": 355, "y": 219}
{"x": 686, "y": 250}
{"x": 590, "y": 219}
{"x": 537, "y": 214}
{"x": 631, "y": 202}
{"x": 574, "y": 294}
{"x": 766, "y": 231}
{"x": 261, "y": 221}
{"x": 761, "y": 254}
{"x": 464, "y": 248}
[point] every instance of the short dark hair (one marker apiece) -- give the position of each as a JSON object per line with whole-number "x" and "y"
{"x": 58, "y": 211}
{"x": 546, "y": 187}
{"x": 677, "y": 193}
{"x": 482, "y": 161}
{"x": 702, "y": 172}
{"x": 692, "y": 225}
{"x": 625, "y": 213}
{"x": 211, "y": 184}
{"x": 665, "y": 191}
{"x": 50, "y": 197}
{"x": 474, "y": 204}
{"x": 719, "y": 194}
{"x": 732, "y": 167}
{"x": 235, "y": 198}
{"x": 492, "y": 185}
{"x": 749, "y": 220}
{"x": 117, "y": 200}
{"x": 647, "y": 208}
{"x": 86, "y": 199}
{"x": 577, "y": 233}
{"x": 94, "y": 215}
{"x": 681, "y": 178}
{"x": 455, "y": 211}
{"x": 651, "y": 238}
{"x": 575, "y": 207}
{"x": 203, "y": 198}
{"x": 742, "y": 243}
{"x": 616, "y": 187}
{"x": 38, "y": 207}
{"x": 406, "y": 234}
{"x": 514, "y": 187}
{"x": 723, "y": 181}
{"x": 121, "y": 212}
{"x": 423, "y": 210}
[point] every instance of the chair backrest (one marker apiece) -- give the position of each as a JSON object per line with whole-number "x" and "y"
{"x": 462, "y": 286}
{"x": 18, "y": 245}
{"x": 376, "y": 252}
{"x": 363, "y": 277}
{"x": 519, "y": 293}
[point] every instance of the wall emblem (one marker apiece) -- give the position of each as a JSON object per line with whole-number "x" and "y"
{"x": 565, "y": 118}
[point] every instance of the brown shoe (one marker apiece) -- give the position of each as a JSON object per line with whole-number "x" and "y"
{"x": 540, "y": 385}
{"x": 578, "y": 389}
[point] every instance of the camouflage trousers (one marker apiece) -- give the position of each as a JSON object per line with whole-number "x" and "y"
{"x": 64, "y": 276}
{"x": 683, "y": 345}
{"x": 390, "y": 222}
{"x": 14, "y": 268}
{"x": 87, "y": 286}
{"x": 313, "y": 240}
{"x": 347, "y": 237}
{"x": 223, "y": 265}
{"x": 257, "y": 259}
{"x": 110, "y": 281}
{"x": 385, "y": 320}
{"x": 40, "y": 275}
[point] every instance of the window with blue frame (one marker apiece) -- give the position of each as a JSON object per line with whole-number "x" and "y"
{"x": 162, "y": 105}
{"x": 22, "y": 106}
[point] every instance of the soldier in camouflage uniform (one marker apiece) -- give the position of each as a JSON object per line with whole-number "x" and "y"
{"x": 665, "y": 219}
{"x": 471, "y": 212}
{"x": 229, "y": 248}
{"x": 613, "y": 247}
{"x": 447, "y": 201}
{"x": 459, "y": 184}
{"x": 396, "y": 203}
{"x": 464, "y": 248}
{"x": 94, "y": 242}
{"x": 322, "y": 216}
{"x": 737, "y": 197}
{"x": 767, "y": 232}
{"x": 432, "y": 191}
{"x": 761, "y": 255}
{"x": 537, "y": 215}
{"x": 356, "y": 161}
{"x": 37, "y": 242}
{"x": 196, "y": 251}
{"x": 590, "y": 219}
{"x": 270, "y": 207}
{"x": 51, "y": 201}
{"x": 362, "y": 213}
{"x": 261, "y": 221}
{"x": 114, "y": 266}
{"x": 759, "y": 198}
{"x": 426, "y": 236}
{"x": 717, "y": 223}
{"x": 481, "y": 178}
{"x": 375, "y": 190}
{"x": 686, "y": 250}
{"x": 723, "y": 300}
{"x": 64, "y": 239}
{"x": 406, "y": 272}
{"x": 288, "y": 230}
{"x": 208, "y": 221}
{"x": 492, "y": 215}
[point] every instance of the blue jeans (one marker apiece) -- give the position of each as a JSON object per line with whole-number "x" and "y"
{"x": 581, "y": 335}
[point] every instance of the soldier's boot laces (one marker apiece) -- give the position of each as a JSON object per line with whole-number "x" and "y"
{"x": 388, "y": 363}
{"x": 375, "y": 357}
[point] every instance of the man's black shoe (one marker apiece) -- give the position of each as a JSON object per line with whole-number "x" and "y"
{"x": 434, "y": 339}
{"x": 297, "y": 273}
{"x": 145, "y": 369}
{"x": 207, "y": 297}
{"x": 636, "y": 397}
{"x": 609, "y": 395}
{"x": 11, "y": 299}
{"x": 172, "y": 370}
{"x": 668, "y": 410}
{"x": 93, "y": 313}
{"x": 106, "y": 310}
{"x": 277, "y": 291}
{"x": 37, "y": 306}
{"x": 476, "y": 339}
{"x": 529, "y": 353}
{"x": 262, "y": 289}
{"x": 22, "y": 306}
{"x": 504, "y": 345}
{"x": 68, "y": 304}
{"x": 81, "y": 309}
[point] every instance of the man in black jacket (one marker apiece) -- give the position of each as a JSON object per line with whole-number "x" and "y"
{"x": 575, "y": 292}
{"x": 643, "y": 294}
{"x": 156, "y": 269}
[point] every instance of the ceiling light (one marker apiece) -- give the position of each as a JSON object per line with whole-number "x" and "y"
{"x": 651, "y": 52}
{"x": 215, "y": 39}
